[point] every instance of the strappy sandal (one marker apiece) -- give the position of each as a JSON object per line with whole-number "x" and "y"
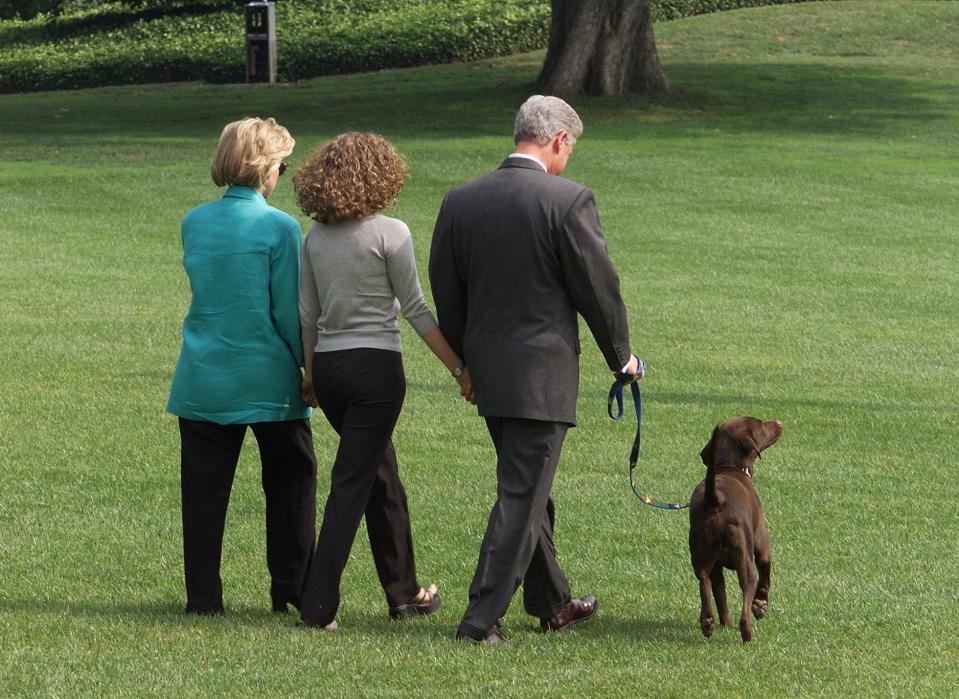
{"x": 332, "y": 626}
{"x": 429, "y": 602}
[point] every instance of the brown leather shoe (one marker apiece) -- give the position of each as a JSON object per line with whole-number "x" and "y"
{"x": 494, "y": 638}
{"x": 575, "y": 611}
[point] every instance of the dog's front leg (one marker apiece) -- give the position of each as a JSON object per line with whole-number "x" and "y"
{"x": 706, "y": 622}
{"x": 719, "y": 592}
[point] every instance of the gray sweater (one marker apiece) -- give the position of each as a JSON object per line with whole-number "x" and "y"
{"x": 354, "y": 278}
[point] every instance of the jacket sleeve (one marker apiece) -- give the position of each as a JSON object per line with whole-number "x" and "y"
{"x": 591, "y": 280}
{"x": 448, "y": 285}
{"x": 284, "y": 290}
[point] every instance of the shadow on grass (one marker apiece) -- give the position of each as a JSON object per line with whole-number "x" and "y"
{"x": 151, "y": 613}
{"x": 521, "y": 629}
{"x": 641, "y": 629}
{"x": 742, "y": 402}
{"x": 479, "y": 99}
{"x": 817, "y": 98}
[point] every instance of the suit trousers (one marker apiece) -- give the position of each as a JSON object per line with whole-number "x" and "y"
{"x": 518, "y": 545}
{"x": 208, "y": 458}
{"x": 361, "y": 392}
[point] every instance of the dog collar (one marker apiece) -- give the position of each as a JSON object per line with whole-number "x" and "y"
{"x": 746, "y": 469}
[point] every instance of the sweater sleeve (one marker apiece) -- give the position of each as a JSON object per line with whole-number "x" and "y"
{"x": 401, "y": 269}
{"x": 284, "y": 284}
{"x": 309, "y": 305}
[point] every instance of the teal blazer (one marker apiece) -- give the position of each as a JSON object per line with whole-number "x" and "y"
{"x": 241, "y": 355}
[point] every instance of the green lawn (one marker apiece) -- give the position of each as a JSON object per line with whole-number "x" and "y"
{"x": 785, "y": 226}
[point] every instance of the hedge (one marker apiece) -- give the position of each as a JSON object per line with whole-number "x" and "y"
{"x": 172, "y": 40}
{"x": 676, "y": 9}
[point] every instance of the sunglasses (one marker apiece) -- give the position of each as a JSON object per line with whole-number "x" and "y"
{"x": 282, "y": 168}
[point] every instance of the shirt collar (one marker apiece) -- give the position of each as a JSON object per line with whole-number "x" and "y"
{"x": 529, "y": 157}
{"x": 238, "y": 191}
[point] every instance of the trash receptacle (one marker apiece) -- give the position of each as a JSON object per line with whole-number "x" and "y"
{"x": 260, "y": 41}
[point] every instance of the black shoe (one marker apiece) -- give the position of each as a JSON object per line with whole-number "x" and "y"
{"x": 493, "y": 638}
{"x": 280, "y": 604}
{"x": 204, "y": 611}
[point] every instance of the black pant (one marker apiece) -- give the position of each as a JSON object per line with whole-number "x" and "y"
{"x": 361, "y": 392}
{"x": 208, "y": 457}
{"x": 518, "y": 545}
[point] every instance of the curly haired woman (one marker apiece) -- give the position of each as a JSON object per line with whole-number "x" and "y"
{"x": 358, "y": 270}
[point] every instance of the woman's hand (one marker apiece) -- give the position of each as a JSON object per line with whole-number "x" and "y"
{"x": 466, "y": 386}
{"x": 441, "y": 348}
{"x": 307, "y": 392}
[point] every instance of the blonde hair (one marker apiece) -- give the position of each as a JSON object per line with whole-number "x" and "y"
{"x": 353, "y": 176}
{"x": 248, "y": 150}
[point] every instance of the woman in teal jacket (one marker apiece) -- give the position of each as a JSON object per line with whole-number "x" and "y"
{"x": 239, "y": 367}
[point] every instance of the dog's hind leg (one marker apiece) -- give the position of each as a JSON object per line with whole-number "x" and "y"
{"x": 761, "y": 602}
{"x": 719, "y": 592}
{"x": 748, "y": 580}
{"x": 764, "y": 565}
{"x": 706, "y": 622}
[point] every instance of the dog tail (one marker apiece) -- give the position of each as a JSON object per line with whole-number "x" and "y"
{"x": 713, "y": 497}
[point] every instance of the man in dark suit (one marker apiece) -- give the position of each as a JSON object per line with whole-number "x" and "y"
{"x": 515, "y": 255}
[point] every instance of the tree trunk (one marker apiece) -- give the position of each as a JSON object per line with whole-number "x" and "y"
{"x": 602, "y": 47}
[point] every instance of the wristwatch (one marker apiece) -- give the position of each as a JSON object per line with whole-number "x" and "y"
{"x": 458, "y": 371}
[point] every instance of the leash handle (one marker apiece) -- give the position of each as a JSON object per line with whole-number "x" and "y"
{"x": 616, "y": 395}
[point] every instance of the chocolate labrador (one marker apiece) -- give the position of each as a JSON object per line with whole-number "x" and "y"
{"x": 727, "y": 527}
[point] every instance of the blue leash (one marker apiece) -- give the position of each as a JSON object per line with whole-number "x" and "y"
{"x": 616, "y": 394}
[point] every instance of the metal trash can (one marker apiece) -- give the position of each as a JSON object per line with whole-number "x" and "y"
{"x": 260, "y": 41}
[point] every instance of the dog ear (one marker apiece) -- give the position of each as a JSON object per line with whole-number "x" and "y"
{"x": 750, "y": 448}
{"x": 708, "y": 454}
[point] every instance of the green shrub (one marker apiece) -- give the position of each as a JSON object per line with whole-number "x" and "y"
{"x": 675, "y": 9}
{"x": 135, "y": 46}
{"x": 27, "y": 9}
{"x": 143, "y": 41}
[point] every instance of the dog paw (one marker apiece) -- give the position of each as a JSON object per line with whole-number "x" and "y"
{"x": 760, "y": 607}
{"x": 708, "y": 626}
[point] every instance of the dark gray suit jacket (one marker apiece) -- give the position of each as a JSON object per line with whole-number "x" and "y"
{"x": 516, "y": 254}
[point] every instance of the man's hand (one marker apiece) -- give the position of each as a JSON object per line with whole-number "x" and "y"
{"x": 633, "y": 371}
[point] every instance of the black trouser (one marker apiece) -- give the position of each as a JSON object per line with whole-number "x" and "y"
{"x": 208, "y": 457}
{"x": 518, "y": 545}
{"x": 361, "y": 393}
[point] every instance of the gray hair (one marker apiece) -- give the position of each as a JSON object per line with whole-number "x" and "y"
{"x": 541, "y": 118}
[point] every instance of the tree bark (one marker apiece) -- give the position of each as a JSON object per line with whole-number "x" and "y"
{"x": 602, "y": 47}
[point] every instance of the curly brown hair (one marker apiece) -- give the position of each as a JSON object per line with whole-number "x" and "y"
{"x": 353, "y": 176}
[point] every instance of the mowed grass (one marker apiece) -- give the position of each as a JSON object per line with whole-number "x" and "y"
{"x": 785, "y": 226}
